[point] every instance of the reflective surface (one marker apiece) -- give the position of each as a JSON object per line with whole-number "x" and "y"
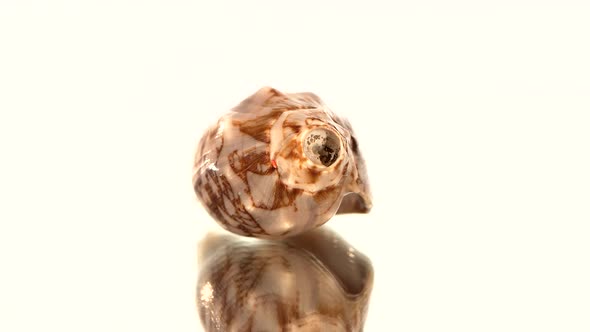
{"x": 312, "y": 282}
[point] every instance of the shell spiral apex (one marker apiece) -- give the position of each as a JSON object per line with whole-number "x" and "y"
{"x": 279, "y": 164}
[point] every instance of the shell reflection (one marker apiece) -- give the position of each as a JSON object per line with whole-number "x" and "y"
{"x": 311, "y": 282}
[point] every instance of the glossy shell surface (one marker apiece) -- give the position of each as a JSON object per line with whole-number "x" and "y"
{"x": 311, "y": 282}
{"x": 279, "y": 164}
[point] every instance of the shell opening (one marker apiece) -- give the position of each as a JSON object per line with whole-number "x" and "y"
{"x": 322, "y": 146}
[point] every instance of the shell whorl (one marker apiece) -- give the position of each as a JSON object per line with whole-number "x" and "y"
{"x": 311, "y": 282}
{"x": 279, "y": 164}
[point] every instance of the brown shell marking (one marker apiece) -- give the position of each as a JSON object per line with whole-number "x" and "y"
{"x": 311, "y": 282}
{"x": 252, "y": 174}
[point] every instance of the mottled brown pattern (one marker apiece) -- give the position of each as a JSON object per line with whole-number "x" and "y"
{"x": 292, "y": 129}
{"x": 256, "y": 100}
{"x": 293, "y": 151}
{"x": 283, "y": 196}
{"x": 286, "y": 103}
{"x": 326, "y": 194}
{"x": 260, "y": 286}
{"x": 218, "y": 191}
{"x": 252, "y": 160}
{"x": 253, "y": 177}
{"x": 258, "y": 162}
{"x": 259, "y": 128}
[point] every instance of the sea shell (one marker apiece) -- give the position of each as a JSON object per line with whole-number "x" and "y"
{"x": 279, "y": 164}
{"x": 311, "y": 282}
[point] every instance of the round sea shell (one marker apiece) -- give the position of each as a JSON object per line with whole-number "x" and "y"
{"x": 280, "y": 164}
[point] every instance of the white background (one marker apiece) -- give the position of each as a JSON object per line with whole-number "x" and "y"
{"x": 473, "y": 117}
